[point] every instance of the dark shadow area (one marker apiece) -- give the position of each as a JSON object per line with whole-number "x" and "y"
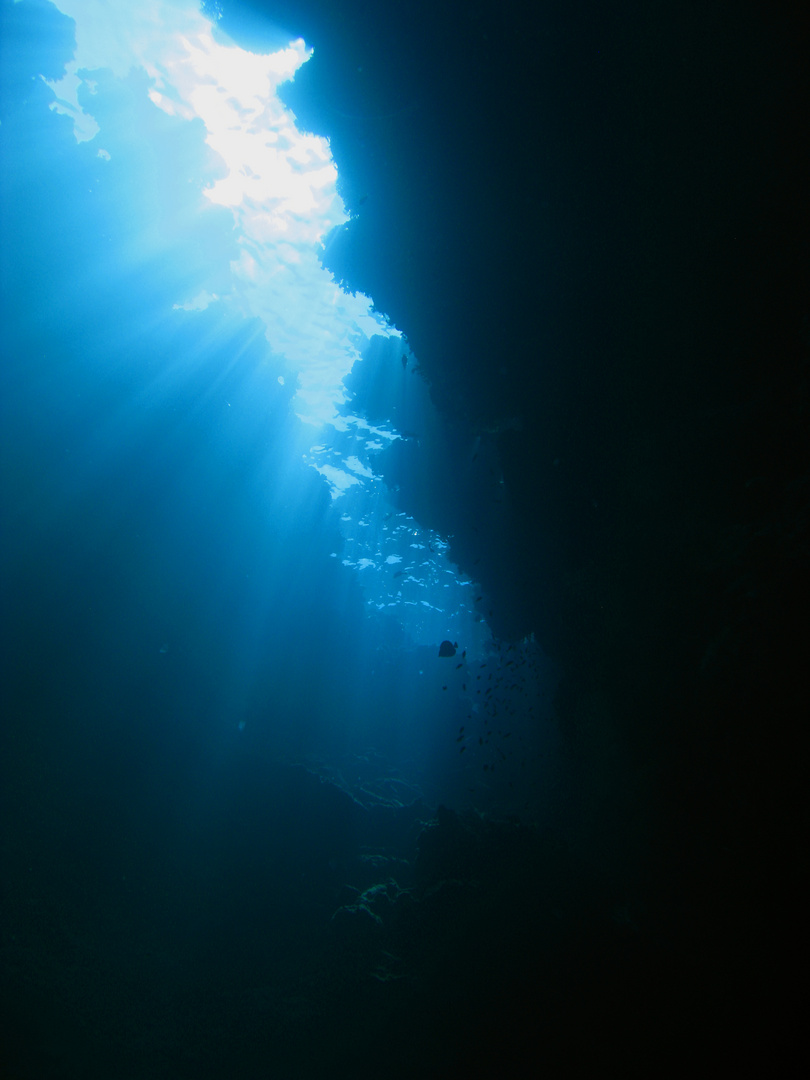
{"x": 592, "y": 227}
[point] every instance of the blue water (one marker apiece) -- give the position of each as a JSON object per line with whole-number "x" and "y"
{"x": 202, "y": 578}
{"x": 222, "y": 662}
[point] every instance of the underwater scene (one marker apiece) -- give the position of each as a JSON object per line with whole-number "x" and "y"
{"x": 405, "y": 490}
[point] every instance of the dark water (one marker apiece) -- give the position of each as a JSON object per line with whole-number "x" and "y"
{"x": 252, "y": 824}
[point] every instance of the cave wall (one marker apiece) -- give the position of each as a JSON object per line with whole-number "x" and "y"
{"x": 592, "y": 226}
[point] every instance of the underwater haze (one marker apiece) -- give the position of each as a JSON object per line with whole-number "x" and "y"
{"x": 226, "y": 630}
{"x": 202, "y": 419}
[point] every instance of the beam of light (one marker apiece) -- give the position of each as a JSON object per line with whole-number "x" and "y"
{"x": 278, "y": 183}
{"x": 279, "y": 187}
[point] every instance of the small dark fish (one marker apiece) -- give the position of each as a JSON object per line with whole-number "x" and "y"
{"x": 444, "y": 688}
{"x": 463, "y": 654}
{"x": 461, "y": 751}
{"x": 399, "y": 573}
{"x": 458, "y": 666}
{"x": 461, "y": 728}
{"x": 463, "y": 686}
{"x": 478, "y": 598}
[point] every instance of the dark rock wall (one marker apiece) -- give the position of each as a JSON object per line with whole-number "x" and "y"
{"x": 591, "y": 222}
